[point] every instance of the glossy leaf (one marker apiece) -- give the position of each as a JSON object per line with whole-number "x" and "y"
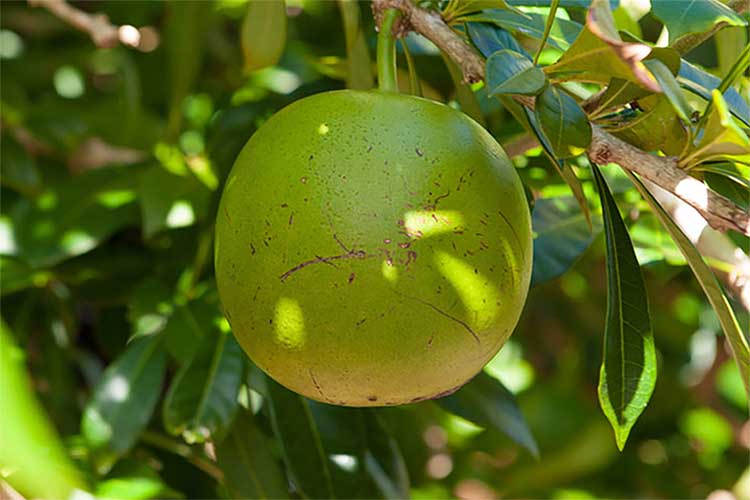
{"x": 561, "y": 36}
{"x": 671, "y": 89}
{"x": 124, "y": 399}
{"x": 562, "y": 121}
{"x": 489, "y": 39}
{"x": 299, "y": 439}
{"x": 721, "y": 139}
{"x": 702, "y": 83}
{"x": 203, "y": 396}
{"x": 508, "y": 72}
{"x": 263, "y": 33}
{"x": 32, "y": 456}
{"x": 245, "y": 457}
{"x": 709, "y": 283}
{"x": 682, "y": 17}
{"x": 561, "y": 236}
{"x": 628, "y": 373}
{"x": 487, "y": 403}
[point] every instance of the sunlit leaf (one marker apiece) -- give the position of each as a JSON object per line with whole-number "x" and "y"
{"x": 561, "y": 236}
{"x": 486, "y": 402}
{"x": 671, "y": 88}
{"x": 124, "y": 399}
{"x": 263, "y": 33}
{"x": 563, "y": 121}
{"x": 628, "y": 372}
{"x": 682, "y": 17}
{"x": 721, "y": 139}
{"x": 508, "y": 72}
{"x": 203, "y": 396}
{"x": 708, "y": 282}
{"x": 299, "y": 439}
{"x": 32, "y": 456}
{"x": 245, "y": 457}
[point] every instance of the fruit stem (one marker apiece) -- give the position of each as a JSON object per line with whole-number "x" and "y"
{"x": 387, "y": 81}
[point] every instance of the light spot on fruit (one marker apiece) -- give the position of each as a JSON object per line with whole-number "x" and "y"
{"x": 424, "y": 223}
{"x": 389, "y": 271}
{"x": 323, "y": 129}
{"x": 289, "y": 323}
{"x": 477, "y": 295}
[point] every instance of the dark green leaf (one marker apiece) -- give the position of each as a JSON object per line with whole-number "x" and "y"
{"x": 263, "y": 33}
{"x": 489, "y": 39}
{"x": 563, "y": 32}
{"x": 487, "y": 403}
{"x": 508, "y": 72}
{"x": 657, "y": 128}
{"x": 124, "y": 399}
{"x": 561, "y": 236}
{"x": 383, "y": 459}
{"x": 562, "y": 121}
{"x": 245, "y": 457}
{"x": 466, "y": 97}
{"x": 671, "y": 88}
{"x": 19, "y": 171}
{"x": 708, "y": 282}
{"x": 628, "y": 373}
{"x": 203, "y": 396}
{"x": 575, "y": 4}
{"x": 16, "y": 275}
{"x": 738, "y": 192}
{"x": 682, "y": 17}
{"x": 299, "y": 439}
{"x": 703, "y": 83}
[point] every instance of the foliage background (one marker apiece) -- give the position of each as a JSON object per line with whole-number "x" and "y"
{"x": 106, "y": 235}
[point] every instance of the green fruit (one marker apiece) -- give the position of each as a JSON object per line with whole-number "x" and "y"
{"x": 372, "y": 248}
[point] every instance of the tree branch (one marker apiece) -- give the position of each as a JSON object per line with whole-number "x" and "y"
{"x": 720, "y": 212}
{"x": 102, "y": 32}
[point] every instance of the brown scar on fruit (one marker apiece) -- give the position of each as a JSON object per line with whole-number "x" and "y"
{"x": 419, "y": 152}
{"x": 441, "y": 312}
{"x": 252, "y": 249}
{"x": 291, "y": 218}
{"x": 351, "y": 278}
{"x": 229, "y": 218}
{"x": 372, "y": 398}
{"x": 352, "y": 254}
{"x": 317, "y": 386}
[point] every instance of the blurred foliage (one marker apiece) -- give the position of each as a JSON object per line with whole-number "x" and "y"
{"x": 112, "y": 164}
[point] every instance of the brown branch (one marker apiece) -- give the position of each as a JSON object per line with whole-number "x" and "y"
{"x": 720, "y": 212}
{"x": 103, "y": 33}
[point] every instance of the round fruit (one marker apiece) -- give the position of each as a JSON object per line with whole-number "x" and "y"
{"x": 372, "y": 248}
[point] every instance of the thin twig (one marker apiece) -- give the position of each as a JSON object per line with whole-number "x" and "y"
{"x": 99, "y": 28}
{"x": 720, "y": 212}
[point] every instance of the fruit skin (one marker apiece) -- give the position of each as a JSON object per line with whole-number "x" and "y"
{"x": 372, "y": 248}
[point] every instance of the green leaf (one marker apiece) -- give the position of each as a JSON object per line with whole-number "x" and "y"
{"x": 263, "y": 33}
{"x": 359, "y": 74}
{"x": 722, "y": 138}
{"x": 508, "y": 72}
{"x": 17, "y": 275}
{"x": 124, "y": 399}
{"x": 32, "y": 456}
{"x": 708, "y": 282}
{"x": 383, "y": 459}
{"x": 245, "y": 457}
{"x": 299, "y": 439}
{"x": 682, "y": 17}
{"x": 554, "y": 4}
{"x": 735, "y": 171}
{"x": 185, "y": 36}
{"x": 671, "y": 88}
{"x": 489, "y": 39}
{"x": 203, "y": 396}
{"x": 657, "y": 128}
{"x": 561, "y": 236}
{"x": 73, "y": 215}
{"x": 703, "y": 83}
{"x": 628, "y": 372}
{"x": 562, "y": 121}
{"x": 20, "y": 171}
{"x": 562, "y": 34}
{"x": 487, "y": 403}
{"x": 738, "y": 192}
{"x": 593, "y": 57}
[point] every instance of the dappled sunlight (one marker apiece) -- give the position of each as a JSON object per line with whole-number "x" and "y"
{"x": 389, "y": 271}
{"x": 180, "y": 214}
{"x": 425, "y": 223}
{"x": 478, "y": 296}
{"x": 694, "y": 190}
{"x": 77, "y": 241}
{"x": 289, "y": 323}
{"x": 115, "y": 198}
